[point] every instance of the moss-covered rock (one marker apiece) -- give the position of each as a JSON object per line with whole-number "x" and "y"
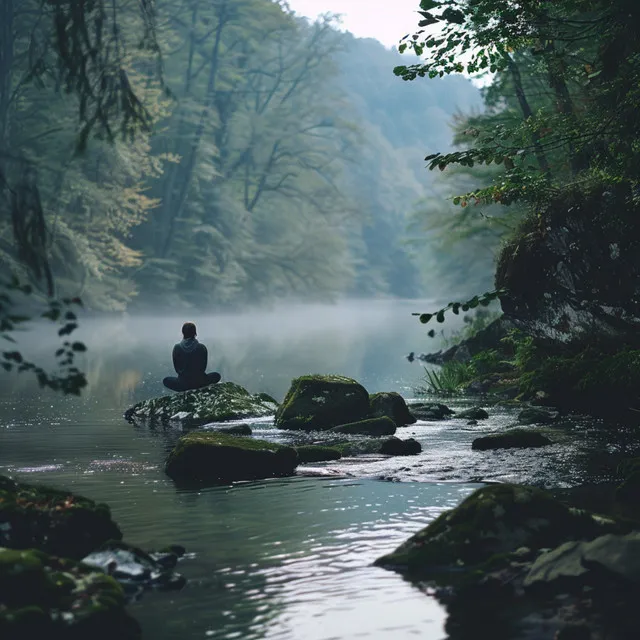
{"x": 392, "y": 405}
{"x": 44, "y": 596}
{"x": 494, "y": 520}
{"x": 535, "y": 415}
{"x": 430, "y": 410}
{"x": 396, "y": 447}
{"x": 236, "y": 430}
{"x": 316, "y": 453}
{"x": 371, "y": 427}
{"x": 215, "y": 403}
{"x": 511, "y": 439}
{"x": 53, "y": 520}
{"x": 474, "y": 413}
{"x": 204, "y": 457}
{"x": 319, "y": 402}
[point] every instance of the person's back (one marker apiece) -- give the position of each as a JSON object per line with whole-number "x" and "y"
{"x": 190, "y": 362}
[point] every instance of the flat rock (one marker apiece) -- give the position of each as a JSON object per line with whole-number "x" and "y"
{"x": 207, "y": 457}
{"x": 474, "y": 413}
{"x": 511, "y": 439}
{"x": 397, "y": 447}
{"x": 534, "y": 415}
{"x": 215, "y": 403}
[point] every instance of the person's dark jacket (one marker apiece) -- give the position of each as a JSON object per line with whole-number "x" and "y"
{"x": 190, "y": 359}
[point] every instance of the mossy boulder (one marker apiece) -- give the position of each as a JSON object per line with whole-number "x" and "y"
{"x": 316, "y": 453}
{"x": 207, "y": 457}
{"x": 511, "y": 439}
{"x": 430, "y": 411}
{"x": 494, "y": 520}
{"x": 319, "y": 402}
{"x": 371, "y": 427}
{"x": 397, "y": 447}
{"x": 44, "y": 596}
{"x": 474, "y": 413}
{"x": 534, "y": 415}
{"x": 392, "y": 405}
{"x": 215, "y": 403}
{"x": 53, "y": 520}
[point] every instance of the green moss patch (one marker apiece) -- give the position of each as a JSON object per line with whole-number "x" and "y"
{"x": 205, "y": 457}
{"x": 56, "y": 521}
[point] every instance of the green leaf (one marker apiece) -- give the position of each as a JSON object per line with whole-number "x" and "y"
{"x": 425, "y": 317}
{"x": 440, "y": 316}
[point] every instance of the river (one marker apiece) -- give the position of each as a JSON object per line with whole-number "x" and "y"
{"x": 282, "y": 558}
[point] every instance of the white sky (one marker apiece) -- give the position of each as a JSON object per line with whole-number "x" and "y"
{"x": 385, "y": 20}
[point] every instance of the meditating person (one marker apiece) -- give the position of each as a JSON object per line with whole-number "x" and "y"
{"x": 190, "y": 363}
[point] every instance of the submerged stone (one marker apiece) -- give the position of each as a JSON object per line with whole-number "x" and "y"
{"x": 134, "y": 569}
{"x": 204, "y": 457}
{"x": 494, "y": 520}
{"x": 319, "y": 402}
{"x": 215, "y": 403}
{"x": 316, "y": 453}
{"x": 430, "y": 411}
{"x": 396, "y": 447}
{"x": 392, "y": 405}
{"x": 534, "y": 415}
{"x": 53, "y": 520}
{"x": 511, "y": 439}
{"x": 44, "y": 596}
{"x": 371, "y": 427}
{"x": 475, "y": 413}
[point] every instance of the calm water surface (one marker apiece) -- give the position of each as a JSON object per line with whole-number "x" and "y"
{"x": 282, "y": 558}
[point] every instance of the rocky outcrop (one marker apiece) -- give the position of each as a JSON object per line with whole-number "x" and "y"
{"x": 54, "y": 521}
{"x": 371, "y": 427}
{"x": 319, "y": 402}
{"x": 317, "y": 453}
{"x": 573, "y": 270}
{"x": 397, "y": 447}
{"x": 511, "y": 439}
{"x": 206, "y": 457}
{"x": 44, "y": 596}
{"x": 392, "y": 405}
{"x": 215, "y": 403}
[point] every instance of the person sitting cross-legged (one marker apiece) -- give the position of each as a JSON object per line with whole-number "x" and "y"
{"x": 190, "y": 363}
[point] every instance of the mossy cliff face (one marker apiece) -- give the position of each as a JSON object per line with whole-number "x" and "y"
{"x": 319, "y": 402}
{"x": 208, "y": 458}
{"x": 54, "y": 521}
{"x": 216, "y": 403}
{"x": 573, "y": 270}
{"x": 494, "y": 520}
{"x": 44, "y": 596}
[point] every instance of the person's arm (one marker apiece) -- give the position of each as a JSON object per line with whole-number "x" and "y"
{"x": 205, "y": 358}
{"x": 175, "y": 356}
